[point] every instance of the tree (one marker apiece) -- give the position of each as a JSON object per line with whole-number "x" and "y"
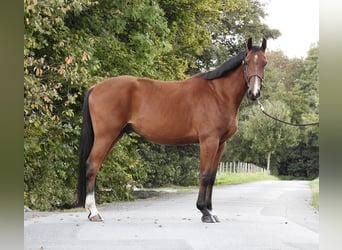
{"x": 304, "y": 157}
{"x": 188, "y": 22}
{"x": 309, "y": 80}
{"x": 282, "y": 70}
{"x": 266, "y": 135}
{"x": 239, "y": 20}
{"x": 53, "y": 65}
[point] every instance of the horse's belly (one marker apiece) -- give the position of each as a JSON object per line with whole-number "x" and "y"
{"x": 171, "y": 134}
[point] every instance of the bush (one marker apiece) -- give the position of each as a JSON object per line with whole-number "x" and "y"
{"x": 50, "y": 165}
{"x": 177, "y": 165}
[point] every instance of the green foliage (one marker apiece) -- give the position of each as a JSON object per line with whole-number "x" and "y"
{"x": 282, "y": 70}
{"x": 265, "y": 135}
{"x": 167, "y": 165}
{"x": 238, "y": 20}
{"x": 303, "y": 159}
{"x": 53, "y": 67}
{"x": 128, "y": 36}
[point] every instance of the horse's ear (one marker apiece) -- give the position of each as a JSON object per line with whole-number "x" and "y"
{"x": 249, "y": 44}
{"x": 264, "y": 43}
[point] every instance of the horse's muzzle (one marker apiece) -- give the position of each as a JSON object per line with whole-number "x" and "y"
{"x": 253, "y": 95}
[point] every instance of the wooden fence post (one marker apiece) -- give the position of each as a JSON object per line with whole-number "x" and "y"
{"x": 240, "y": 167}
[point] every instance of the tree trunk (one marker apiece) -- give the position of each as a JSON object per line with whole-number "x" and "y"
{"x": 268, "y": 161}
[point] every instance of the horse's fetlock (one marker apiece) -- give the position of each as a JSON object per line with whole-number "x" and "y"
{"x": 201, "y": 205}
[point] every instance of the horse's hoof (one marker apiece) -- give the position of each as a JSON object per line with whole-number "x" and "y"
{"x": 216, "y": 218}
{"x": 96, "y": 217}
{"x": 210, "y": 219}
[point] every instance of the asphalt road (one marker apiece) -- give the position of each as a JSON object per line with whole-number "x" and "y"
{"x": 265, "y": 215}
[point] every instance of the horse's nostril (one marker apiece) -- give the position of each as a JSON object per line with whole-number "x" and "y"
{"x": 253, "y": 96}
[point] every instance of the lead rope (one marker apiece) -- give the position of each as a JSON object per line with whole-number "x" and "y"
{"x": 288, "y": 123}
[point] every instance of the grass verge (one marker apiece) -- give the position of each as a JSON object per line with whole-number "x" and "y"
{"x": 237, "y": 178}
{"x": 314, "y": 184}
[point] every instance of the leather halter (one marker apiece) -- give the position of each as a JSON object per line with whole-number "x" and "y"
{"x": 248, "y": 78}
{"x": 254, "y": 75}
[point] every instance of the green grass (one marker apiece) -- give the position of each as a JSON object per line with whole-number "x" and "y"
{"x": 314, "y": 184}
{"x": 237, "y": 178}
{"x": 292, "y": 178}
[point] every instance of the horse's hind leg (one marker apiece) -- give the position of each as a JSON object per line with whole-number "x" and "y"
{"x": 101, "y": 147}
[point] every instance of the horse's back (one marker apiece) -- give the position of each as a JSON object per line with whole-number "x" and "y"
{"x": 163, "y": 112}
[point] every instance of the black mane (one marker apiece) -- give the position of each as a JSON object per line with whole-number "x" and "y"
{"x": 224, "y": 68}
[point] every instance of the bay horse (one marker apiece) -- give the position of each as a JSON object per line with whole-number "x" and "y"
{"x": 201, "y": 109}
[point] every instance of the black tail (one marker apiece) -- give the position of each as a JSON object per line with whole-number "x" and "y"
{"x": 86, "y": 143}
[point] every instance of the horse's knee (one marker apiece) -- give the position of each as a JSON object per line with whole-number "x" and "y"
{"x": 90, "y": 173}
{"x": 209, "y": 205}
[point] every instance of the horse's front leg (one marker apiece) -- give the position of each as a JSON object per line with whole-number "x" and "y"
{"x": 209, "y": 149}
{"x": 209, "y": 190}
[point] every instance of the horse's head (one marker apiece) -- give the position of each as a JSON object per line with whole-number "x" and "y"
{"x": 254, "y": 66}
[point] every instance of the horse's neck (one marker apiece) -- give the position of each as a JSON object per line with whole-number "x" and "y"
{"x": 232, "y": 88}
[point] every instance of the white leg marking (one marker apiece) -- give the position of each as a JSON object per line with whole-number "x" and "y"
{"x": 91, "y": 206}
